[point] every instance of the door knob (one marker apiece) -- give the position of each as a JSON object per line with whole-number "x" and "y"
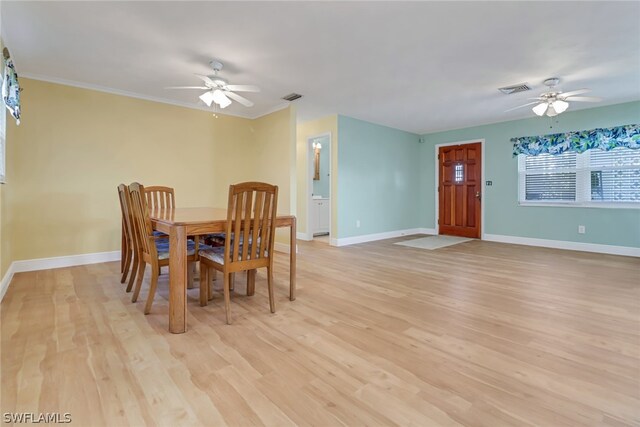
{"x": 478, "y": 195}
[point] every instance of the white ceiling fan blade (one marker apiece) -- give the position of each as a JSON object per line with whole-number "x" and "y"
{"x": 240, "y": 99}
{"x": 574, "y": 92}
{"x": 207, "y": 98}
{"x": 583, "y": 98}
{"x": 520, "y": 106}
{"x": 187, "y": 87}
{"x": 206, "y": 79}
{"x": 243, "y": 88}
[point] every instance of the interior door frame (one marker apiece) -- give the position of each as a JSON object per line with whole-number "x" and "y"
{"x": 310, "y": 166}
{"x": 482, "y": 179}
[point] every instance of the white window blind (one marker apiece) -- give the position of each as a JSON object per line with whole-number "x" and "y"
{"x": 615, "y": 175}
{"x": 593, "y": 178}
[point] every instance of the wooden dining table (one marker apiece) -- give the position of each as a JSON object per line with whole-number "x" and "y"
{"x": 179, "y": 223}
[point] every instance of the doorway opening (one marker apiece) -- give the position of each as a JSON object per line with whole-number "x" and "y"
{"x": 459, "y": 178}
{"x": 319, "y": 188}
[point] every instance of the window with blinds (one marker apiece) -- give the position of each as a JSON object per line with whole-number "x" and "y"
{"x": 593, "y": 178}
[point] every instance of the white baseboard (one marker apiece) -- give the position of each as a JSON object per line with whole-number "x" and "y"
{"x": 64, "y": 261}
{"x": 303, "y": 236}
{"x": 380, "y": 236}
{"x": 561, "y": 244}
{"x": 4, "y": 285}
{"x": 430, "y": 231}
{"x": 56, "y": 262}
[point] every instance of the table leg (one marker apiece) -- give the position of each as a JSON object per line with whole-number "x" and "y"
{"x": 177, "y": 280}
{"x": 292, "y": 261}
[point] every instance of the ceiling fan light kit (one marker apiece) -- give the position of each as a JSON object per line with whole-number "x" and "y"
{"x": 540, "y": 109}
{"x": 560, "y": 106}
{"x": 218, "y": 89}
{"x": 554, "y": 101}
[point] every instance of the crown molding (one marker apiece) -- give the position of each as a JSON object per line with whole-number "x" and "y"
{"x": 271, "y": 110}
{"x": 128, "y": 94}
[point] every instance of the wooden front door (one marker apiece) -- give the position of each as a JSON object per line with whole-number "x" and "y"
{"x": 459, "y": 188}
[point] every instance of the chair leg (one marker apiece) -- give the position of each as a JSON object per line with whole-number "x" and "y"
{"x": 251, "y": 282}
{"x": 127, "y": 264}
{"x": 136, "y": 291}
{"x": 272, "y": 301}
{"x": 227, "y": 297}
{"x": 211, "y": 277}
{"x": 204, "y": 285}
{"x": 191, "y": 274}
{"x": 152, "y": 290}
{"x": 134, "y": 272}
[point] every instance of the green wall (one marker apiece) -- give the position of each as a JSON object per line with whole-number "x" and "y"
{"x": 503, "y": 215}
{"x": 321, "y": 186}
{"x": 379, "y": 170}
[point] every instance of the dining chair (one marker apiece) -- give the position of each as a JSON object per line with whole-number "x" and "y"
{"x": 249, "y": 239}
{"x": 158, "y": 198}
{"x": 150, "y": 251}
{"x": 161, "y": 197}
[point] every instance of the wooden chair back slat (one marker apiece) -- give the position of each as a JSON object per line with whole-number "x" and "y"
{"x": 236, "y": 215}
{"x": 142, "y": 220}
{"x": 246, "y": 226}
{"x": 159, "y": 198}
{"x": 255, "y": 228}
{"x": 269, "y": 206}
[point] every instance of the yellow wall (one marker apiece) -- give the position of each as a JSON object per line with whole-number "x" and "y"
{"x": 304, "y": 131}
{"x": 74, "y": 146}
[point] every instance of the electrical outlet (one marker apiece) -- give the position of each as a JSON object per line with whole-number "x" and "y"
{"x": 582, "y": 229}
{"x": 357, "y": 223}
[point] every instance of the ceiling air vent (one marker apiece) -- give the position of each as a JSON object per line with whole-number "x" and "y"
{"x": 508, "y": 90}
{"x": 292, "y": 97}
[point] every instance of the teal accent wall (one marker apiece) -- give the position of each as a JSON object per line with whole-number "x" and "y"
{"x": 503, "y": 215}
{"x": 321, "y": 187}
{"x": 379, "y": 178}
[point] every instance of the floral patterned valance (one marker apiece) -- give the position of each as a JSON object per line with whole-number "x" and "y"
{"x": 579, "y": 141}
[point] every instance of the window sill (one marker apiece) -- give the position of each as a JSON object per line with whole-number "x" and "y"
{"x": 631, "y": 205}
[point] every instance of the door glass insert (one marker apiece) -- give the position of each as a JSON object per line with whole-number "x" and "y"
{"x": 458, "y": 173}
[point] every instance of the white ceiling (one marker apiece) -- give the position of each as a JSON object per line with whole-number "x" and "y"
{"x": 417, "y": 66}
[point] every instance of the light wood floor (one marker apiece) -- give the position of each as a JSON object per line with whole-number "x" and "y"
{"x": 475, "y": 334}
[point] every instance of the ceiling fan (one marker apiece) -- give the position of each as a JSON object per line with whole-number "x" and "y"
{"x": 218, "y": 89}
{"x": 555, "y": 101}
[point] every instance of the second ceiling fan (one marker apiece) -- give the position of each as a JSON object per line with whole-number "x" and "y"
{"x": 218, "y": 89}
